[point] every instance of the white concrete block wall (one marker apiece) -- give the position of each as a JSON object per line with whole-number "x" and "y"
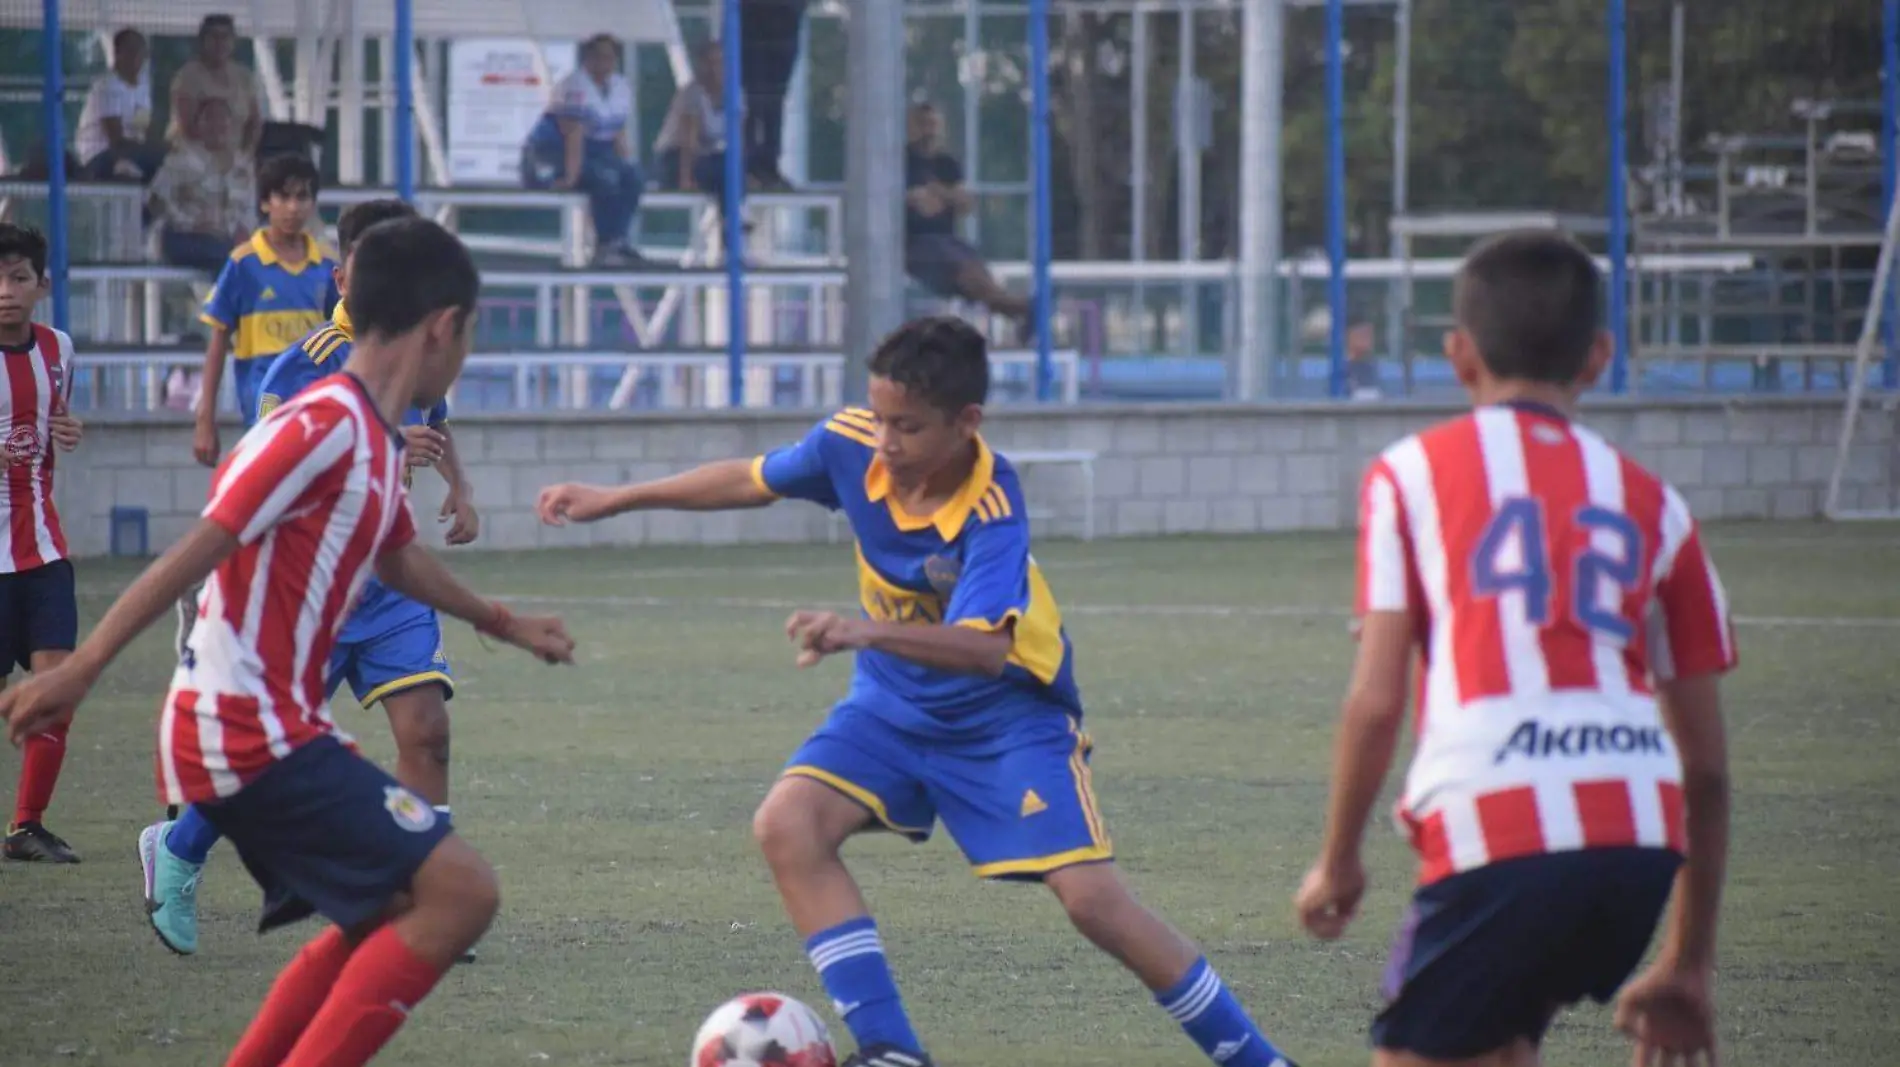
{"x": 1166, "y": 469}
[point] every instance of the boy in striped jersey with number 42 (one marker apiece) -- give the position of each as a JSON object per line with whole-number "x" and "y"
{"x": 1570, "y": 769}
{"x": 39, "y": 613}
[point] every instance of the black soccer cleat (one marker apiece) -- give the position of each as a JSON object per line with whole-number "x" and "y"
{"x": 33, "y": 843}
{"x": 886, "y": 1056}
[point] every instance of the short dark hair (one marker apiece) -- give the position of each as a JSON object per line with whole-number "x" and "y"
{"x": 359, "y": 217}
{"x": 1532, "y": 302}
{"x": 404, "y": 270}
{"x": 285, "y": 174}
{"x": 127, "y": 34}
{"x": 939, "y": 358}
{"x": 215, "y": 22}
{"x": 24, "y": 242}
{"x": 602, "y": 40}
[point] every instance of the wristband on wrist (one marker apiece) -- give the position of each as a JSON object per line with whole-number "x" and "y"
{"x": 497, "y": 622}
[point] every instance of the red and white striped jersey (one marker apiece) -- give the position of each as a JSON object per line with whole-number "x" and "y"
{"x": 35, "y": 387}
{"x": 314, "y": 495}
{"x": 1552, "y": 579}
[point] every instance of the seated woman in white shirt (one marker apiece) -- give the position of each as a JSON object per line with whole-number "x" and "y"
{"x": 111, "y": 138}
{"x": 584, "y": 142}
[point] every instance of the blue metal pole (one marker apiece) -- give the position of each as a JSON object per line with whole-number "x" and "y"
{"x": 1890, "y": 174}
{"x": 1336, "y": 196}
{"x": 404, "y": 73}
{"x": 733, "y": 199}
{"x": 53, "y": 98}
{"x": 1619, "y": 233}
{"x": 1039, "y": 167}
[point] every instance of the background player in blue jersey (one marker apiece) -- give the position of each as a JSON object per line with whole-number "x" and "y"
{"x": 275, "y": 288}
{"x": 390, "y": 650}
{"x": 963, "y": 705}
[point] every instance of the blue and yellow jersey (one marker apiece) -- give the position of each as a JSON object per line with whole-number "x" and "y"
{"x": 303, "y": 364}
{"x": 966, "y": 565}
{"x": 267, "y": 305}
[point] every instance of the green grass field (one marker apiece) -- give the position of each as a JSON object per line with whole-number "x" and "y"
{"x": 615, "y": 800}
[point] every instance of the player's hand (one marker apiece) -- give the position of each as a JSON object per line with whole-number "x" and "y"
{"x": 204, "y": 441}
{"x": 422, "y": 445}
{"x": 66, "y": 430}
{"x": 823, "y": 633}
{"x": 459, "y": 512}
{"x": 44, "y": 701}
{"x": 1329, "y": 897}
{"x": 1669, "y": 1012}
{"x": 543, "y": 635}
{"x": 568, "y": 502}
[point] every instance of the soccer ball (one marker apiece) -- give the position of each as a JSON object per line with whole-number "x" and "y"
{"x": 763, "y": 1030}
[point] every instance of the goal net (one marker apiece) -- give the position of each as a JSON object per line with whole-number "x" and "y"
{"x": 1857, "y": 489}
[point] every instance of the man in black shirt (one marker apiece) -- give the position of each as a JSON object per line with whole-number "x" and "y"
{"x": 934, "y": 198}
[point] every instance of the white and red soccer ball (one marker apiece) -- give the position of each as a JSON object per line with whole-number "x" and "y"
{"x": 763, "y": 1030}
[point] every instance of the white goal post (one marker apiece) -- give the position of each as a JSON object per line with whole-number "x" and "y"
{"x": 1857, "y": 379}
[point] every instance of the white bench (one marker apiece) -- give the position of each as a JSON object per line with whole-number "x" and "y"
{"x": 1076, "y": 457}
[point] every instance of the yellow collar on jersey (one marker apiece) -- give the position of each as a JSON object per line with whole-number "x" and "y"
{"x": 949, "y": 518}
{"x": 312, "y": 252}
{"x": 340, "y": 318}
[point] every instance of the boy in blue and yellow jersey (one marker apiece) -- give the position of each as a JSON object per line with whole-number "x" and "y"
{"x": 276, "y": 287}
{"x": 390, "y": 649}
{"x": 963, "y": 705}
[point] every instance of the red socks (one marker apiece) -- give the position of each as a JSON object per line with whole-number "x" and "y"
{"x": 380, "y": 985}
{"x": 41, "y": 757}
{"x": 292, "y": 1002}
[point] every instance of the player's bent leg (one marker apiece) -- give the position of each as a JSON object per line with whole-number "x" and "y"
{"x": 832, "y": 789}
{"x": 419, "y": 720}
{"x": 800, "y": 828}
{"x": 41, "y": 758}
{"x": 1183, "y": 983}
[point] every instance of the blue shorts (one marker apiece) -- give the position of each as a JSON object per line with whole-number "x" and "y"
{"x": 39, "y": 612}
{"x": 394, "y": 661}
{"x": 248, "y": 376}
{"x": 1017, "y": 811}
{"x": 326, "y": 832}
{"x": 1488, "y": 956}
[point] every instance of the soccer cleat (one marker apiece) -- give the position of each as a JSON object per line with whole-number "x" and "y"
{"x": 34, "y": 843}
{"x": 171, "y": 891}
{"x": 886, "y": 1056}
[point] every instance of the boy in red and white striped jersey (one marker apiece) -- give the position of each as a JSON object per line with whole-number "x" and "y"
{"x": 308, "y": 504}
{"x": 1570, "y": 767}
{"x": 39, "y": 613}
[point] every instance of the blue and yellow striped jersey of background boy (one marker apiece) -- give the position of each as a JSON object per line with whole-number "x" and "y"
{"x": 963, "y": 707}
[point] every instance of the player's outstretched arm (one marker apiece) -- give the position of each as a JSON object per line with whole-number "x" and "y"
{"x": 458, "y": 506}
{"x": 416, "y": 573}
{"x": 1670, "y": 1008}
{"x": 47, "y": 700}
{"x": 725, "y": 485}
{"x": 1370, "y": 721}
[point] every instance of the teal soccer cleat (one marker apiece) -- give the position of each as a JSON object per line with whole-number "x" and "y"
{"x": 171, "y": 891}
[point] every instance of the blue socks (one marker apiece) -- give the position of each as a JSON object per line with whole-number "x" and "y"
{"x": 1216, "y": 1022}
{"x": 850, "y": 961}
{"x": 191, "y": 836}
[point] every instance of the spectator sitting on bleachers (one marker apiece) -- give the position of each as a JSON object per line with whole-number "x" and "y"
{"x": 111, "y": 137}
{"x": 213, "y": 75}
{"x": 584, "y": 141}
{"x": 691, "y": 147}
{"x": 205, "y": 194}
{"x": 934, "y": 197}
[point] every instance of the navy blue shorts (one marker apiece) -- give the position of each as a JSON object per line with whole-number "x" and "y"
{"x": 326, "y": 832}
{"x": 39, "y": 612}
{"x": 1490, "y": 955}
